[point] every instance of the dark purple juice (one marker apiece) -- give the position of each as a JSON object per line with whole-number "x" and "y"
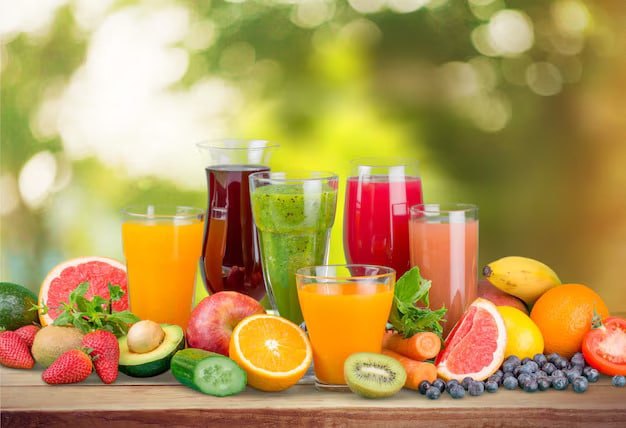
{"x": 231, "y": 258}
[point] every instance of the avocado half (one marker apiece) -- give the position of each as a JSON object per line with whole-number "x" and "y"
{"x": 155, "y": 362}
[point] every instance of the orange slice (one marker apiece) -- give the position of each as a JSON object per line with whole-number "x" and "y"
{"x": 475, "y": 346}
{"x": 274, "y": 352}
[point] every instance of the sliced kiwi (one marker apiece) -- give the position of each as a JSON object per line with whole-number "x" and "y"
{"x": 373, "y": 375}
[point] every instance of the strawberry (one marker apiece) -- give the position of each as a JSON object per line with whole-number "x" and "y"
{"x": 14, "y": 351}
{"x": 27, "y": 333}
{"x": 105, "y": 352}
{"x": 72, "y": 366}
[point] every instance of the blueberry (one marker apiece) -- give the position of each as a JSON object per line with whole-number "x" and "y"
{"x": 572, "y": 374}
{"x": 592, "y": 375}
{"x": 558, "y": 373}
{"x": 580, "y": 384}
{"x": 517, "y": 370}
{"x": 540, "y": 359}
{"x": 451, "y": 383}
{"x": 530, "y": 367}
{"x": 495, "y": 379}
{"x": 561, "y": 363}
{"x": 456, "y": 391}
{"x": 510, "y": 382}
{"x": 559, "y": 383}
{"x": 433, "y": 393}
{"x": 548, "y": 368}
{"x": 541, "y": 373}
{"x": 507, "y": 374}
{"x": 491, "y": 386}
{"x": 523, "y": 378}
{"x": 578, "y": 359}
{"x": 510, "y": 363}
{"x": 618, "y": 380}
{"x": 439, "y": 384}
{"x": 530, "y": 386}
{"x": 423, "y": 387}
{"x": 466, "y": 382}
{"x": 543, "y": 383}
{"x": 476, "y": 388}
{"x": 553, "y": 357}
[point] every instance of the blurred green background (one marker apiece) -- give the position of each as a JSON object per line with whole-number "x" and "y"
{"x": 517, "y": 106}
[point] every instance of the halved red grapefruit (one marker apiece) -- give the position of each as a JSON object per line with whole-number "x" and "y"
{"x": 66, "y": 276}
{"x": 475, "y": 346}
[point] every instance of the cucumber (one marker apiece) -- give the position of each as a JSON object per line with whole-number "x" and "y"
{"x": 208, "y": 372}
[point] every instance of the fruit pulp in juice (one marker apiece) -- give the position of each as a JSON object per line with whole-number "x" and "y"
{"x": 230, "y": 251}
{"x": 343, "y": 319}
{"x": 162, "y": 263}
{"x": 447, "y": 255}
{"x": 376, "y": 220}
{"x": 294, "y": 230}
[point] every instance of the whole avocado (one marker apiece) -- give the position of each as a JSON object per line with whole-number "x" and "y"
{"x": 15, "y": 302}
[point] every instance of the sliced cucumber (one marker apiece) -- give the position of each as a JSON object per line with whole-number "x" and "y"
{"x": 208, "y": 372}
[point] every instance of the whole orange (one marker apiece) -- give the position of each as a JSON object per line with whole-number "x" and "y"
{"x": 563, "y": 314}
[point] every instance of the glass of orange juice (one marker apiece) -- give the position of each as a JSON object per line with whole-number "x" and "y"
{"x": 345, "y": 309}
{"x": 443, "y": 240}
{"x": 162, "y": 246}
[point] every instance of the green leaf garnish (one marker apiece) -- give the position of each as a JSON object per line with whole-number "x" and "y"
{"x": 95, "y": 313}
{"x": 410, "y": 312}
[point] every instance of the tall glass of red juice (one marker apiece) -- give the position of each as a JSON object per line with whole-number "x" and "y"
{"x": 230, "y": 257}
{"x": 444, "y": 245}
{"x": 379, "y": 193}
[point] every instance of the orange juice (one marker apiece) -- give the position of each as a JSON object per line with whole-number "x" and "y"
{"x": 162, "y": 260}
{"x": 343, "y": 318}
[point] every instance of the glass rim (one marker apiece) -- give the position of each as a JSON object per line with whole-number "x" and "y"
{"x": 162, "y": 211}
{"x": 437, "y": 208}
{"x": 236, "y": 144}
{"x": 389, "y": 271}
{"x": 299, "y": 175}
{"x": 384, "y": 161}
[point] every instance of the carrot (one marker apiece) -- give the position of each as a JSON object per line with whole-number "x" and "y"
{"x": 421, "y": 346}
{"x": 416, "y": 371}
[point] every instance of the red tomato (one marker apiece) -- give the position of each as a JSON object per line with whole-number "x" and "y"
{"x": 604, "y": 348}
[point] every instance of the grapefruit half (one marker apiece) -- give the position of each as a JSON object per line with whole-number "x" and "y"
{"x": 66, "y": 276}
{"x": 475, "y": 346}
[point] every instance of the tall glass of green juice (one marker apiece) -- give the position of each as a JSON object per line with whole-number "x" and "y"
{"x": 294, "y": 212}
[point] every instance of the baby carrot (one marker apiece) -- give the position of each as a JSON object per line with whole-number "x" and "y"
{"x": 421, "y": 346}
{"x": 416, "y": 371}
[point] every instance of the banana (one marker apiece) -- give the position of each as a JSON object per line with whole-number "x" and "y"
{"x": 521, "y": 277}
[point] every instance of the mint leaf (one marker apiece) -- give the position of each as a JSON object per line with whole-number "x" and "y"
{"x": 95, "y": 313}
{"x": 410, "y": 311}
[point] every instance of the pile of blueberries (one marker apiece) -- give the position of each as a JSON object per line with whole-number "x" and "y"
{"x": 530, "y": 374}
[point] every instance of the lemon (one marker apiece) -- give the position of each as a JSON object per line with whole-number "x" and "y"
{"x": 524, "y": 338}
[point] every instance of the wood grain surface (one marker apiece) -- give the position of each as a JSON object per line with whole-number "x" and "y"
{"x": 25, "y": 401}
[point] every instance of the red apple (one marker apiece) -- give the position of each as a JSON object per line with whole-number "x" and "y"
{"x": 212, "y": 321}
{"x": 488, "y": 291}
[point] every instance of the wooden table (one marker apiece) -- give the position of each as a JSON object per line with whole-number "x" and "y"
{"x": 26, "y": 401}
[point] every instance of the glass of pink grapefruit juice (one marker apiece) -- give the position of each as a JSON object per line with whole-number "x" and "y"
{"x": 444, "y": 245}
{"x": 162, "y": 246}
{"x": 379, "y": 193}
{"x": 345, "y": 309}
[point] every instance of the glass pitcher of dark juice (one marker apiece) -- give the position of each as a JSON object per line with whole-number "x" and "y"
{"x": 230, "y": 257}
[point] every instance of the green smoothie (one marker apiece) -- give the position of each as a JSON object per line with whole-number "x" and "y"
{"x": 294, "y": 224}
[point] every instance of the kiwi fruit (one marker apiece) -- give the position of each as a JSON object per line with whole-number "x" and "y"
{"x": 52, "y": 341}
{"x": 372, "y": 375}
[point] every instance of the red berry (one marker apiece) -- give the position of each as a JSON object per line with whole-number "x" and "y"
{"x": 27, "y": 333}
{"x": 14, "y": 351}
{"x": 73, "y": 366}
{"x": 105, "y": 353}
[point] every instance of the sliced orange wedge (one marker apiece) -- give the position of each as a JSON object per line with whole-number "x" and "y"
{"x": 274, "y": 352}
